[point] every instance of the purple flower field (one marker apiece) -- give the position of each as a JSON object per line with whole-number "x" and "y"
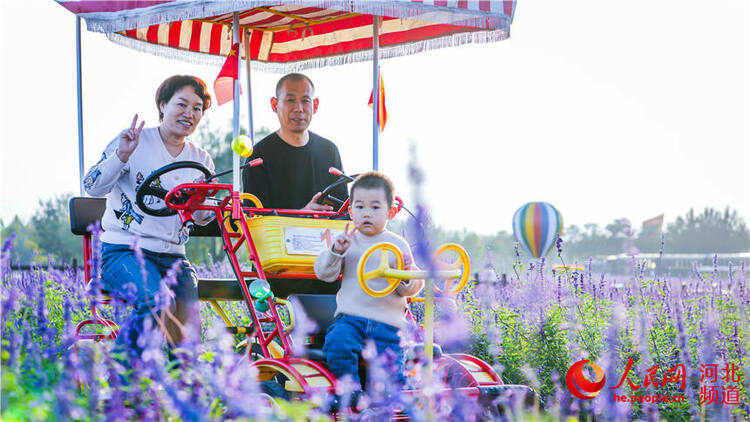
{"x": 531, "y": 326}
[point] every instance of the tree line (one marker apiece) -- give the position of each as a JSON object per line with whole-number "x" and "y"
{"x": 46, "y": 235}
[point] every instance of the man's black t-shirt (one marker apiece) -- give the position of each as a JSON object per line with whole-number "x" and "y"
{"x": 289, "y": 175}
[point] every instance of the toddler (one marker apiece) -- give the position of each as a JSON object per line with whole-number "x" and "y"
{"x": 360, "y": 316}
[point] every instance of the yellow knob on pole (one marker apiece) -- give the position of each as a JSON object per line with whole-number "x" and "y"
{"x": 242, "y": 146}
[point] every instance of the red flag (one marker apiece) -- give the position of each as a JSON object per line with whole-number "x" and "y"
{"x": 382, "y": 113}
{"x": 224, "y": 84}
{"x": 653, "y": 224}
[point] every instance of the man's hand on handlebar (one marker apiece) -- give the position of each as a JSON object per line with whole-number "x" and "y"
{"x": 313, "y": 205}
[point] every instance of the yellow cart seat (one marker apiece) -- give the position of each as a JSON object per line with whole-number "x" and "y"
{"x": 291, "y": 244}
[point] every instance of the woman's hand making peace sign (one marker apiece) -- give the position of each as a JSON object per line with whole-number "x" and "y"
{"x": 343, "y": 241}
{"x": 129, "y": 140}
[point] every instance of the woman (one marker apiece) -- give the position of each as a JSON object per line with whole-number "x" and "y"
{"x": 181, "y": 101}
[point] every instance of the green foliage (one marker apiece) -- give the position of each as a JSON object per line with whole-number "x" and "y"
{"x": 27, "y": 404}
{"x": 56, "y": 312}
{"x": 25, "y": 248}
{"x": 589, "y": 241}
{"x": 593, "y": 314}
{"x": 531, "y": 341}
{"x": 531, "y": 354}
{"x": 534, "y": 354}
{"x": 548, "y": 351}
{"x": 46, "y": 235}
{"x": 711, "y": 231}
{"x": 51, "y": 224}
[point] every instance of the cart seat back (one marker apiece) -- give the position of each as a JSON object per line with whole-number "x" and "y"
{"x": 319, "y": 308}
{"x": 85, "y": 211}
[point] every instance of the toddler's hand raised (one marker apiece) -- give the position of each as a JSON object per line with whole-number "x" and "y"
{"x": 343, "y": 241}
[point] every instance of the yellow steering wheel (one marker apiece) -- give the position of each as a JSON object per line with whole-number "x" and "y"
{"x": 379, "y": 272}
{"x": 459, "y": 270}
{"x": 229, "y": 225}
{"x": 463, "y": 264}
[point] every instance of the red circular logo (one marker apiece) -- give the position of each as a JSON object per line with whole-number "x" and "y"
{"x": 581, "y": 387}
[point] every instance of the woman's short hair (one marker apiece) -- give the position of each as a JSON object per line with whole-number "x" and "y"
{"x": 174, "y": 83}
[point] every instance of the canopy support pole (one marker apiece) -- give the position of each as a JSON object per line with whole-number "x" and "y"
{"x": 250, "y": 127}
{"x": 236, "y": 211}
{"x": 375, "y": 91}
{"x": 80, "y": 106}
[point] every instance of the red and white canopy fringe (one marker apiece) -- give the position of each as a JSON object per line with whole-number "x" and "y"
{"x": 289, "y": 36}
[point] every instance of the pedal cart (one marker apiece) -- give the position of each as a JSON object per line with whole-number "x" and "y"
{"x": 282, "y": 37}
{"x": 283, "y": 244}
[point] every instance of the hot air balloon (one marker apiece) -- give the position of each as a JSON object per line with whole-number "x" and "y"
{"x": 536, "y": 226}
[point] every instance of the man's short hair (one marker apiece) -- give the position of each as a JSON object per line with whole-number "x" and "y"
{"x": 293, "y": 77}
{"x": 374, "y": 180}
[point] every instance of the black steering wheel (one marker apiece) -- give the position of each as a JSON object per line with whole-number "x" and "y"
{"x": 325, "y": 194}
{"x": 152, "y": 187}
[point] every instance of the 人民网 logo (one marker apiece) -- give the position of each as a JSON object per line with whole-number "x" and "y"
{"x": 581, "y": 387}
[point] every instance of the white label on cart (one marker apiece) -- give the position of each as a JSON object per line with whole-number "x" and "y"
{"x": 308, "y": 240}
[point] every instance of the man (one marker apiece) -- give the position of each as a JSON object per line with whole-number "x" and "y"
{"x": 295, "y": 160}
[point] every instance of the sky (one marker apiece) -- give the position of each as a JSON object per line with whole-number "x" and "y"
{"x": 606, "y": 109}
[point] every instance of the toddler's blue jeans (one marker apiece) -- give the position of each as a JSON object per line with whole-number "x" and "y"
{"x": 122, "y": 276}
{"x": 346, "y": 337}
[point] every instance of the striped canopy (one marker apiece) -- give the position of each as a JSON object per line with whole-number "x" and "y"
{"x": 295, "y": 35}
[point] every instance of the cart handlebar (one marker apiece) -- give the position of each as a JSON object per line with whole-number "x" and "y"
{"x": 255, "y": 162}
